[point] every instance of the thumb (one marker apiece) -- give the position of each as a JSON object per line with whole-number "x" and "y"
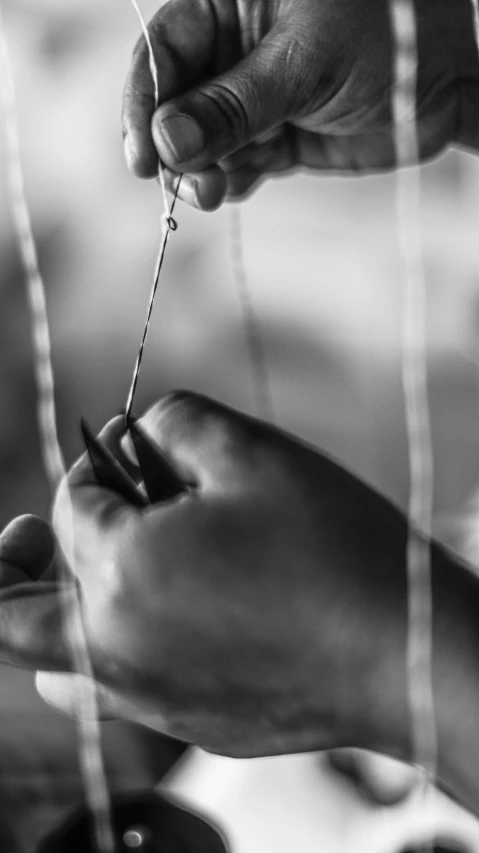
{"x": 30, "y": 611}
{"x": 27, "y": 548}
{"x": 268, "y": 87}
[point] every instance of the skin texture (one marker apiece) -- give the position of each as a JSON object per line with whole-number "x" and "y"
{"x": 263, "y": 612}
{"x": 277, "y": 85}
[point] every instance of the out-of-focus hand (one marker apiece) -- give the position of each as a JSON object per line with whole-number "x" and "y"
{"x": 27, "y": 549}
{"x": 253, "y": 88}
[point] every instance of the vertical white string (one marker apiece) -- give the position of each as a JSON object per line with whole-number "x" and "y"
{"x": 475, "y": 12}
{"x": 52, "y": 456}
{"x": 254, "y": 342}
{"x": 414, "y": 377}
{"x": 90, "y": 755}
{"x": 154, "y": 75}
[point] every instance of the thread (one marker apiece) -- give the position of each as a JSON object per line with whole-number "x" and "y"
{"x": 414, "y": 380}
{"x": 156, "y": 87}
{"x": 171, "y": 226}
{"x": 90, "y": 755}
{"x": 169, "y": 223}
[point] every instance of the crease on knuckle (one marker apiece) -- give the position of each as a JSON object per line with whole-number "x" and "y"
{"x": 231, "y": 107}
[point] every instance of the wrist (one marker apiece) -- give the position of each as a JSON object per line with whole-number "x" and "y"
{"x": 456, "y": 676}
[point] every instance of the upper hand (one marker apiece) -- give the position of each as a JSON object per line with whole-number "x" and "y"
{"x": 252, "y": 89}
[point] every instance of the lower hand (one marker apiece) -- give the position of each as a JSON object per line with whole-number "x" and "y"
{"x": 262, "y": 612}
{"x": 256, "y": 614}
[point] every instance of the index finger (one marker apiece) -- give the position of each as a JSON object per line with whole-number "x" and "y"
{"x": 183, "y": 37}
{"x": 84, "y": 511}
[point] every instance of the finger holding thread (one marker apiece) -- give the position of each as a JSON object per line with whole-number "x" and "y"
{"x": 204, "y": 190}
{"x": 82, "y": 472}
{"x": 183, "y": 37}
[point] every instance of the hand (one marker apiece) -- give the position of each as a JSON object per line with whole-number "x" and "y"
{"x": 262, "y": 612}
{"x": 235, "y": 615}
{"x": 239, "y": 614}
{"x": 250, "y": 89}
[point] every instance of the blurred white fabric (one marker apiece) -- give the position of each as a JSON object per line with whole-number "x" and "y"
{"x": 295, "y": 803}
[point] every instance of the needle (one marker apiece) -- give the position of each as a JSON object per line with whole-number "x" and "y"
{"x": 171, "y": 225}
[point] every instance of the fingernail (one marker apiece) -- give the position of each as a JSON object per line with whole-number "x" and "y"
{"x": 188, "y": 191}
{"x": 183, "y": 136}
{"x": 28, "y": 543}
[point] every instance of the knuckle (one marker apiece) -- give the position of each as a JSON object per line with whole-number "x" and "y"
{"x": 175, "y": 413}
{"x": 181, "y": 401}
{"x": 187, "y": 416}
{"x": 232, "y": 106}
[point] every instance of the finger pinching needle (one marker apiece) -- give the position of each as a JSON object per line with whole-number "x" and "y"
{"x": 161, "y": 480}
{"x": 108, "y": 471}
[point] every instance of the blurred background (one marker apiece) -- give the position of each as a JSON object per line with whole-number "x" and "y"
{"x": 324, "y": 273}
